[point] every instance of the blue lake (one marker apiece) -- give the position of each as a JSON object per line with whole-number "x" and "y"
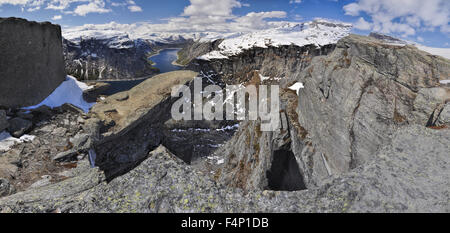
{"x": 163, "y": 62}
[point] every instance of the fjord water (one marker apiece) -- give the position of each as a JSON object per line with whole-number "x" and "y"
{"x": 163, "y": 62}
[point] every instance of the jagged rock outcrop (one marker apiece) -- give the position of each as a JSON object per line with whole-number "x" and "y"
{"x": 129, "y": 124}
{"x": 95, "y": 59}
{"x": 409, "y": 175}
{"x": 194, "y": 49}
{"x": 31, "y": 61}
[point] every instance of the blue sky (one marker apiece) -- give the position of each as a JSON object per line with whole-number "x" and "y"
{"x": 426, "y": 22}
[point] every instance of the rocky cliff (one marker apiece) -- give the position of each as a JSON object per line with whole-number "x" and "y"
{"x": 31, "y": 61}
{"x": 354, "y": 100}
{"x": 194, "y": 49}
{"x": 274, "y": 62}
{"x": 94, "y": 59}
{"x": 368, "y": 133}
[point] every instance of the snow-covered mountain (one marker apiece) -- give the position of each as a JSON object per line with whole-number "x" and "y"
{"x": 93, "y": 48}
{"x": 123, "y": 36}
{"x": 443, "y": 52}
{"x": 317, "y": 32}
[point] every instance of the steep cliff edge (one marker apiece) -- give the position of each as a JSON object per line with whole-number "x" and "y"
{"x": 194, "y": 49}
{"x": 357, "y": 97}
{"x": 31, "y": 61}
{"x": 354, "y": 100}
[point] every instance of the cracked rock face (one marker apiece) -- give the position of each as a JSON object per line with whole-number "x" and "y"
{"x": 354, "y": 100}
{"x": 358, "y": 96}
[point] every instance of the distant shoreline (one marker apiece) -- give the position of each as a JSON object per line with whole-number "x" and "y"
{"x": 118, "y": 80}
{"x": 159, "y": 51}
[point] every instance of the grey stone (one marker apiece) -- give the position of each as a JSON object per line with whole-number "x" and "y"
{"x": 43, "y": 182}
{"x": 122, "y": 96}
{"x": 5, "y": 187}
{"x": 81, "y": 143}
{"x": 408, "y": 175}
{"x": 60, "y": 131}
{"x": 3, "y": 120}
{"x": 66, "y": 156}
{"x": 91, "y": 95}
{"x": 444, "y": 118}
{"x": 32, "y": 63}
{"x": 18, "y": 126}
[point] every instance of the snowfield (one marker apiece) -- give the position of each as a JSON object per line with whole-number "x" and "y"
{"x": 71, "y": 92}
{"x": 317, "y": 32}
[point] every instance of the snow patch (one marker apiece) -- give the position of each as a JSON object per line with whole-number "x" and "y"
{"x": 7, "y": 141}
{"x": 228, "y": 128}
{"x": 71, "y": 92}
{"x": 263, "y": 78}
{"x": 296, "y": 87}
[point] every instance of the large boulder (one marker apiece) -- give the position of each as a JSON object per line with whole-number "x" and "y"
{"x": 31, "y": 61}
{"x": 18, "y": 126}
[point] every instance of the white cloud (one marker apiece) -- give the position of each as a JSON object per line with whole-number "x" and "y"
{"x": 298, "y": 17}
{"x": 255, "y": 20}
{"x": 222, "y": 8}
{"x": 14, "y": 2}
{"x": 86, "y": 7}
{"x": 213, "y": 15}
{"x": 130, "y": 4}
{"x": 295, "y": 1}
{"x": 404, "y": 17}
{"x": 57, "y": 17}
{"x": 135, "y": 8}
{"x": 362, "y": 24}
{"x": 96, "y": 6}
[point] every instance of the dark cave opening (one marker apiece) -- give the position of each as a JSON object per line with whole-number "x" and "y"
{"x": 285, "y": 175}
